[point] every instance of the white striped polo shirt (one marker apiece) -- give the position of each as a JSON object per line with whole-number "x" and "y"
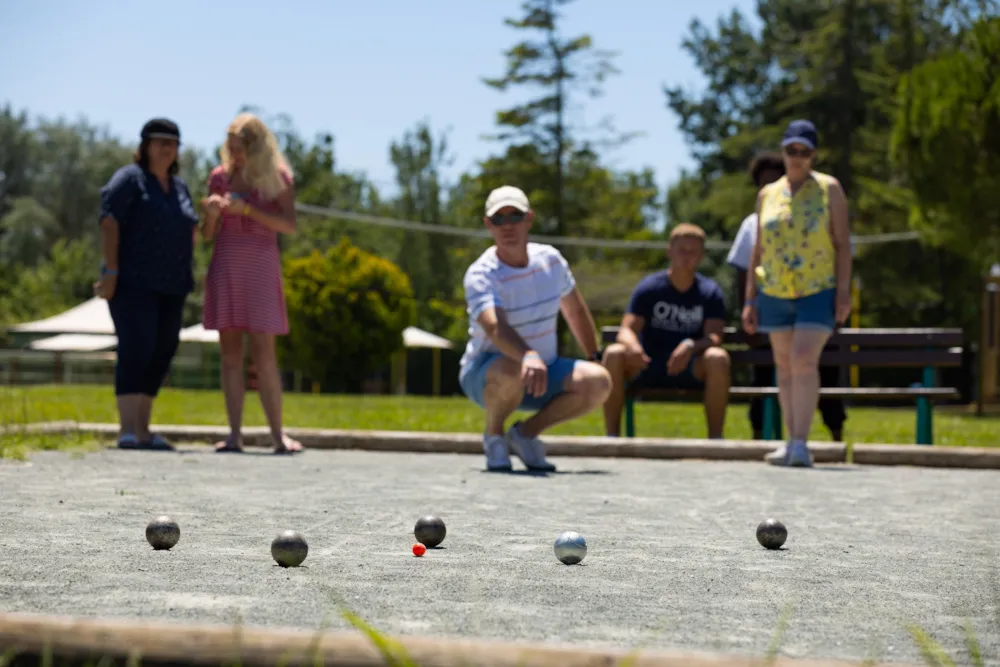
{"x": 529, "y": 295}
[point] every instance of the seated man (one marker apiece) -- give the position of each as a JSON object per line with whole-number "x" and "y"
{"x": 514, "y": 294}
{"x": 671, "y": 334}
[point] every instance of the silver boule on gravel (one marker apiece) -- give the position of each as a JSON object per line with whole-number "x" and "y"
{"x": 162, "y": 533}
{"x": 571, "y": 548}
{"x": 289, "y": 549}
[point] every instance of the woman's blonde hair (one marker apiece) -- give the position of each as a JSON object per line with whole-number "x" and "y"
{"x": 264, "y": 160}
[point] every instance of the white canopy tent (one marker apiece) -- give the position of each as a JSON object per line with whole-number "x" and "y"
{"x": 417, "y": 338}
{"x": 197, "y": 333}
{"x": 88, "y": 327}
{"x": 74, "y": 343}
{"x": 414, "y": 337}
{"x": 90, "y": 317}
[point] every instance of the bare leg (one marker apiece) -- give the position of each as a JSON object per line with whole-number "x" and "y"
{"x": 616, "y": 362}
{"x": 781, "y": 347}
{"x": 265, "y": 358}
{"x": 231, "y": 352}
{"x": 503, "y": 393}
{"x": 713, "y": 368}
{"x": 144, "y": 414}
{"x": 586, "y": 387}
{"x": 807, "y": 346}
{"x": 129, "y": 414}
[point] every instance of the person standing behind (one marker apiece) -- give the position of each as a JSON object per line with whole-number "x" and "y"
{"x": 251, "y": 200}
{"x": 148, "y": 227}
{"x": 514, "y": 294}
{"x": 767, "y": 168}
{"x": 671, "y": 335}
{"x": 799, "y": 281}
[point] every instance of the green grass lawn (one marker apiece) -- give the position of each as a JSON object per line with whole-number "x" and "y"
{"x": 89, "y": 403}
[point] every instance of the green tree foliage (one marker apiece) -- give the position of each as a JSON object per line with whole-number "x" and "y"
{"x": 947, "y": 143}
{"x": 419, "y": 158}
{"x": 561, "y": 69}
{"x": 839, "y": 64}
{"x": 347, "y": 309}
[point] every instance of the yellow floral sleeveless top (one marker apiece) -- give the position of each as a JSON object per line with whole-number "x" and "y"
{"x": 797, "y": 255}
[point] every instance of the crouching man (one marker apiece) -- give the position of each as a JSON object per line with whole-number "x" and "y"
{"x": 515, "y": 292}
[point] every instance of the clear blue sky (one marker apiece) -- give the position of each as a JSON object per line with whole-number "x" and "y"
{"x": 365, "y": 72}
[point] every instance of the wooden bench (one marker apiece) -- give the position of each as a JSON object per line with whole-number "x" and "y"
{"x": 929, "y": 349}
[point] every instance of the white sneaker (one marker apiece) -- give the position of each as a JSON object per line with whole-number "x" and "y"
{"x": 799, "y": 455}
{"x": 497, "y": 456}
{"x": 531, "y": 451}
{"x": 778, "y": 457}
{"x": 793, "y": 454}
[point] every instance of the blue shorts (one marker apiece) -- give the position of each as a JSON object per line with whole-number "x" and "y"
{"x": 473, "y": 381}
{"x": 816, "y": 311}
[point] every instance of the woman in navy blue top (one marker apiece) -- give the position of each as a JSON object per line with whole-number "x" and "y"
{"x": 148, "y": 224}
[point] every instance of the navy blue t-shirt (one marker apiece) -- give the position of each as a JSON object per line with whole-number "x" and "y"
{"x": 155, "y": 230}
{"x": 671, "y": 315}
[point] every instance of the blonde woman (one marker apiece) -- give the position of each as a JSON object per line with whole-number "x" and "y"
{"x": 251, "y": 200}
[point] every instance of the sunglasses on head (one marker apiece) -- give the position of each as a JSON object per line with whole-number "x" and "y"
{"x": 501, "y": 219}
{"x": 794, "y": 151}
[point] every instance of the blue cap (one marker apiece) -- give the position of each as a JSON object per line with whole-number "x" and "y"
{"x": 801, "y": 132}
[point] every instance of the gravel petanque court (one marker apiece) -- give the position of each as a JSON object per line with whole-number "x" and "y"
{"x": 673, "y": 560}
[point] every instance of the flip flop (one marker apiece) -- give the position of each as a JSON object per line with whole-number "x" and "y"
{"x": 128, "y": 441}
{"x": 157, "y": 443}
{"x": 228, "y": 446}
{"x": 288, "y": 446}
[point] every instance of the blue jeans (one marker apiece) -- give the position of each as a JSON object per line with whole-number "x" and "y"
{"x": 473, "y": 380}
{"x": 815, "y": 311}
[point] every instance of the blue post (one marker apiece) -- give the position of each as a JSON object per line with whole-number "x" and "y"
{"x": 925, "y": 416}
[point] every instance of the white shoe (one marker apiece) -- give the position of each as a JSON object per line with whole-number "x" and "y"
{"x": 497, "y": 456}
{"x": 799, "y": 455}
{"x": 793, "y": 454}
{"x": 531, "y": 451}
{"x": 778, "y": 457}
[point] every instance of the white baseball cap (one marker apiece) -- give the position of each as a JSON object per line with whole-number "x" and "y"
{"x": 507, "y": 195}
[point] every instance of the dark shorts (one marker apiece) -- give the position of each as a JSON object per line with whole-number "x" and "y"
{"x": 655, "y": 376}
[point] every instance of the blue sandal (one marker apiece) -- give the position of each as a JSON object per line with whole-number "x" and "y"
{"x": 128, "y": 441}
{"x": 157, "y": 443}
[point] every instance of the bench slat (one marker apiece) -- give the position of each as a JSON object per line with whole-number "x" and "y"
{"x": 869, "y": 358}
{"x": 833, "y": 392}
{"x": 874, "y": 337}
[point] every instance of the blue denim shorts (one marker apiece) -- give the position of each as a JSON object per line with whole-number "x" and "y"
{"x": 473, "y": 380}
{"x": 816, "y": 311}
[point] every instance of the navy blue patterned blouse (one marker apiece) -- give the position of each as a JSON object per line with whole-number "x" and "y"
{"x": 155, "y": 230}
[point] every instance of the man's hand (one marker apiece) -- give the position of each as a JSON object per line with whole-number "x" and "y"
{"x": 680, "y": 357}
{"x": 534, "y": 374}
{"x": 636, "y": 358}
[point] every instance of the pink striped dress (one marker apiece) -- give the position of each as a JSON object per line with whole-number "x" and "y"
{"x": 243, "y": 287}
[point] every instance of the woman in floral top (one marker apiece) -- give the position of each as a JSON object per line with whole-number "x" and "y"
{"x": 798, "y": 285}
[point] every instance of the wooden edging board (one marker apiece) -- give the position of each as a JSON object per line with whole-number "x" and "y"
{"x": 569, "y": 446}
{"x": 70, "y": 640}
